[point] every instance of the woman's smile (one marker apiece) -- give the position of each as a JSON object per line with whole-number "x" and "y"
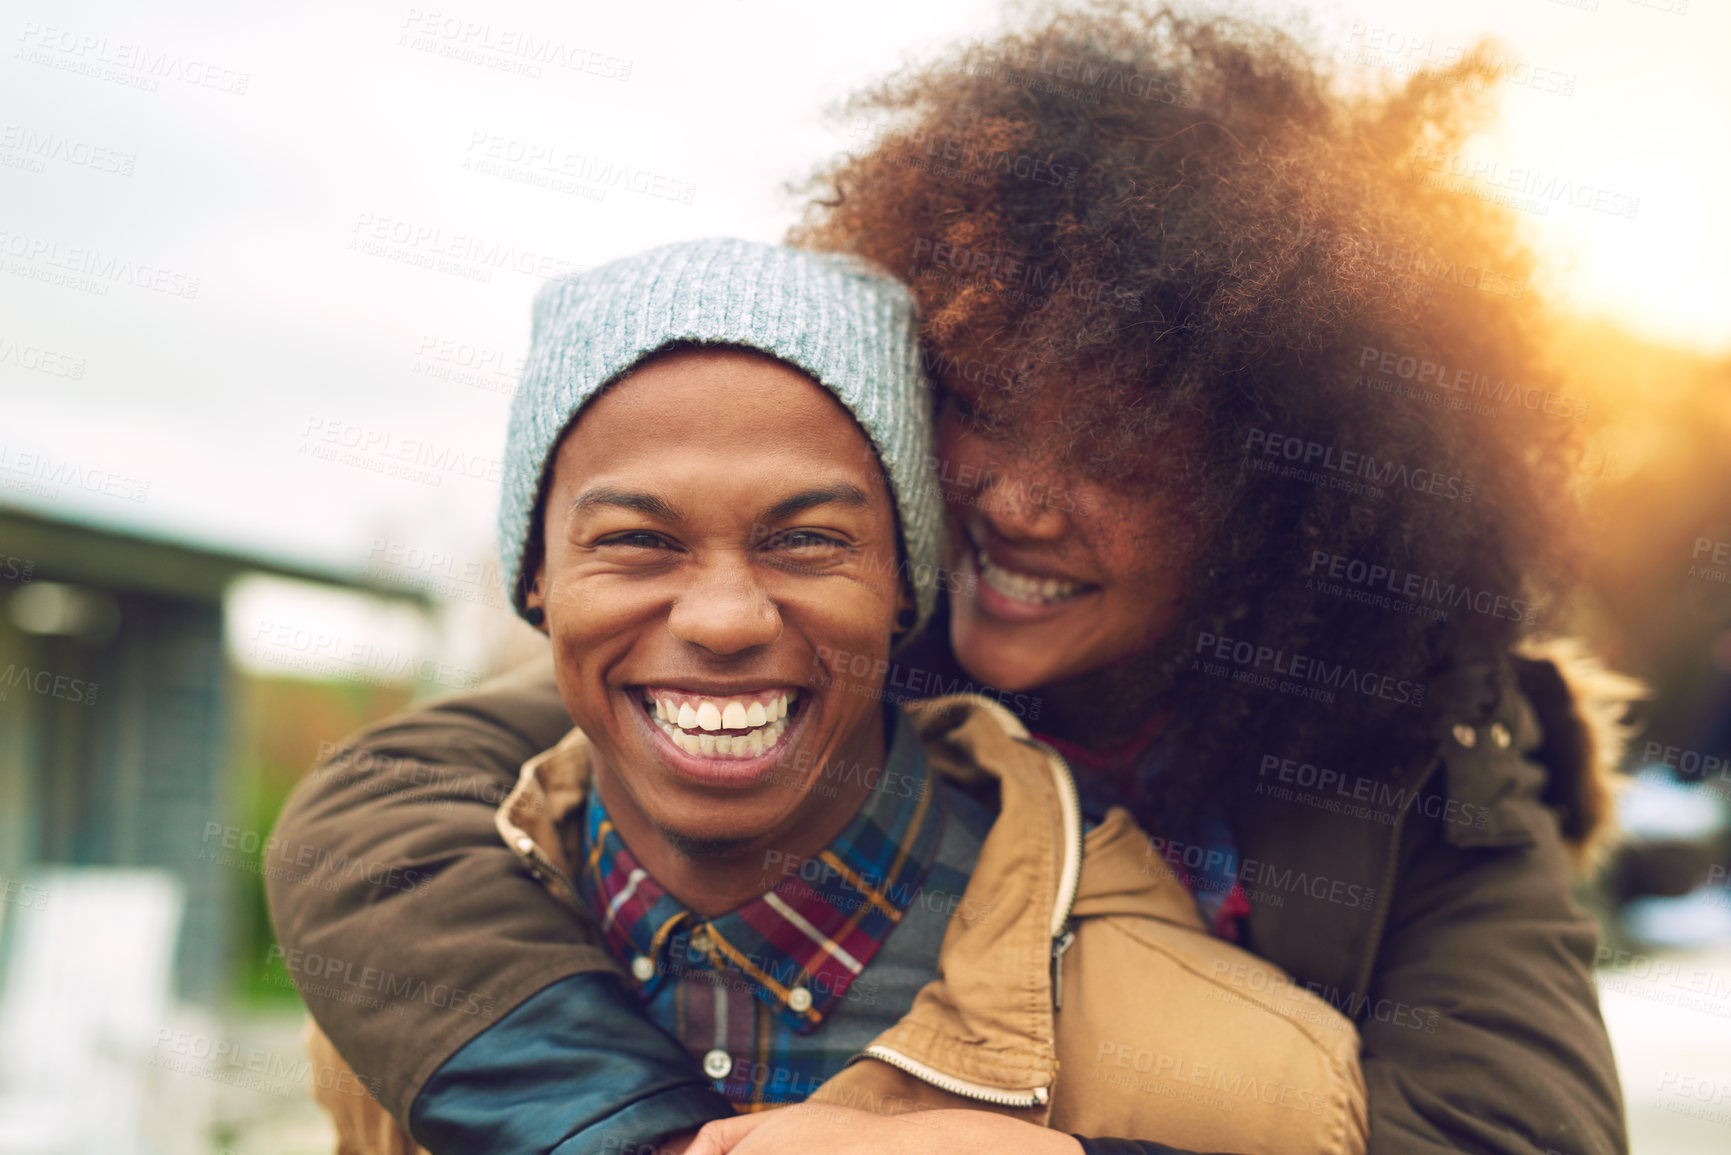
{"x": 1016, "y": 586}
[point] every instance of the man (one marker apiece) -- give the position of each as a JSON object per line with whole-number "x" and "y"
{"x": 713, "y": 508}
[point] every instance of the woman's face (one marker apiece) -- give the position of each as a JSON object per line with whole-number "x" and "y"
{"x": 1069, "y": 575}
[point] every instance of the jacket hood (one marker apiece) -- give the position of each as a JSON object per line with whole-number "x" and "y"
{"x": 1582, "y": 707}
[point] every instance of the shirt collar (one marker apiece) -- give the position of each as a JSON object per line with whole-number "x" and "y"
{"x": 801, "y": 944}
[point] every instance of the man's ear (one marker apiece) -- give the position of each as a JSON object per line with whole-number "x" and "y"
{"x": 535, "y": 601}
{"x": 907, "y": 611}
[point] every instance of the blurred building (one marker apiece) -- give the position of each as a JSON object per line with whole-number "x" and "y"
{"x": 115, "y": 713}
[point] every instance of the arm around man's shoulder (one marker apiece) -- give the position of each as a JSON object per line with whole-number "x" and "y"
{"x": 410, "y": 928}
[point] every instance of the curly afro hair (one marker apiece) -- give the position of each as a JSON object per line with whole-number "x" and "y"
{"x": 1199, "y": 223}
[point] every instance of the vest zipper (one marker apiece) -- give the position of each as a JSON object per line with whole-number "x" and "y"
{"x": 531, "y": 853}
{"x": 1070, "y": 876}
{"x": 1033, "y": 1097}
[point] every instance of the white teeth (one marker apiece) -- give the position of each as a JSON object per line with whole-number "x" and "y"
{"x": 733, "y": 718}
{"x": 687, "y": 717}
{"x": 708, "y": 717}
{"x": 1021, "y": 586}
{"x": 763, "y": 735}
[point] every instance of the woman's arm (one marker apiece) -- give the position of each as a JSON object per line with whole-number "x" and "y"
{"x": 418, "y": 942}
{"x": 1516, "y": 1060}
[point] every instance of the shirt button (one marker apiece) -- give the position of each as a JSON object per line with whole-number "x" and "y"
{"x": 1466, "y": 736}
{"x": 642, "y": 968}
{"x": 717, "y": 1064}
{"x": 799, "y": 999}
{"x": 700, "y": 943}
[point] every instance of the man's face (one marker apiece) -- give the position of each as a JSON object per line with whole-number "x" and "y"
{"x": 717, "y": 531}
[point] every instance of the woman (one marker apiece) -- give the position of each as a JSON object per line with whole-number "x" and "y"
{"x": 1247, "y": 439}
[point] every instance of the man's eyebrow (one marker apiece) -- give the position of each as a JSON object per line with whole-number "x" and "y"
{"x": 842, "y": 493}
{"x": 646, "y": 503}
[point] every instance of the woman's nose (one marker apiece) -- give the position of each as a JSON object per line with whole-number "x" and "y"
{"x": 1008, "y": 491}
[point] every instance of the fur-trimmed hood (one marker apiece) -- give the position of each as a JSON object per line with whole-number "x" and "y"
{"x": 1582, "y": 707}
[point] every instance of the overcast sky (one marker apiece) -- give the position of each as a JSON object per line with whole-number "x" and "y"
{"x": 280, "y": 177}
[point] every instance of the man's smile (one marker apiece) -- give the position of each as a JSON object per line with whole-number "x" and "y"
{"x": 733, "y": 726}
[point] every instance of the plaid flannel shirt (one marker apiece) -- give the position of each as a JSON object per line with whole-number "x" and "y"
{"x": 748, "y": 993}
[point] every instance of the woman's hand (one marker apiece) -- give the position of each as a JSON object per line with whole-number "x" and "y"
{"x": 809, "y": 1127}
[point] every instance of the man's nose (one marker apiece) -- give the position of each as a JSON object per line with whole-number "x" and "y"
{"x": 725, "y": 611}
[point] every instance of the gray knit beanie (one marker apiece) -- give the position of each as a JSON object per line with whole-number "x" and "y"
{"x": 841, "y": 320}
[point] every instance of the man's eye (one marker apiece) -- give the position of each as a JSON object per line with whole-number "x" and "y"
{"x": 805, "y": 541}
{"x": 636, "y": 539}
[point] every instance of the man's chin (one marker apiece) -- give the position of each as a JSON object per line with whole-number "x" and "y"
{"x": 704, "y": 846}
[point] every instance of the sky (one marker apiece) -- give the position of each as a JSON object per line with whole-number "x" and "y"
{"x": 267, "y": 268}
